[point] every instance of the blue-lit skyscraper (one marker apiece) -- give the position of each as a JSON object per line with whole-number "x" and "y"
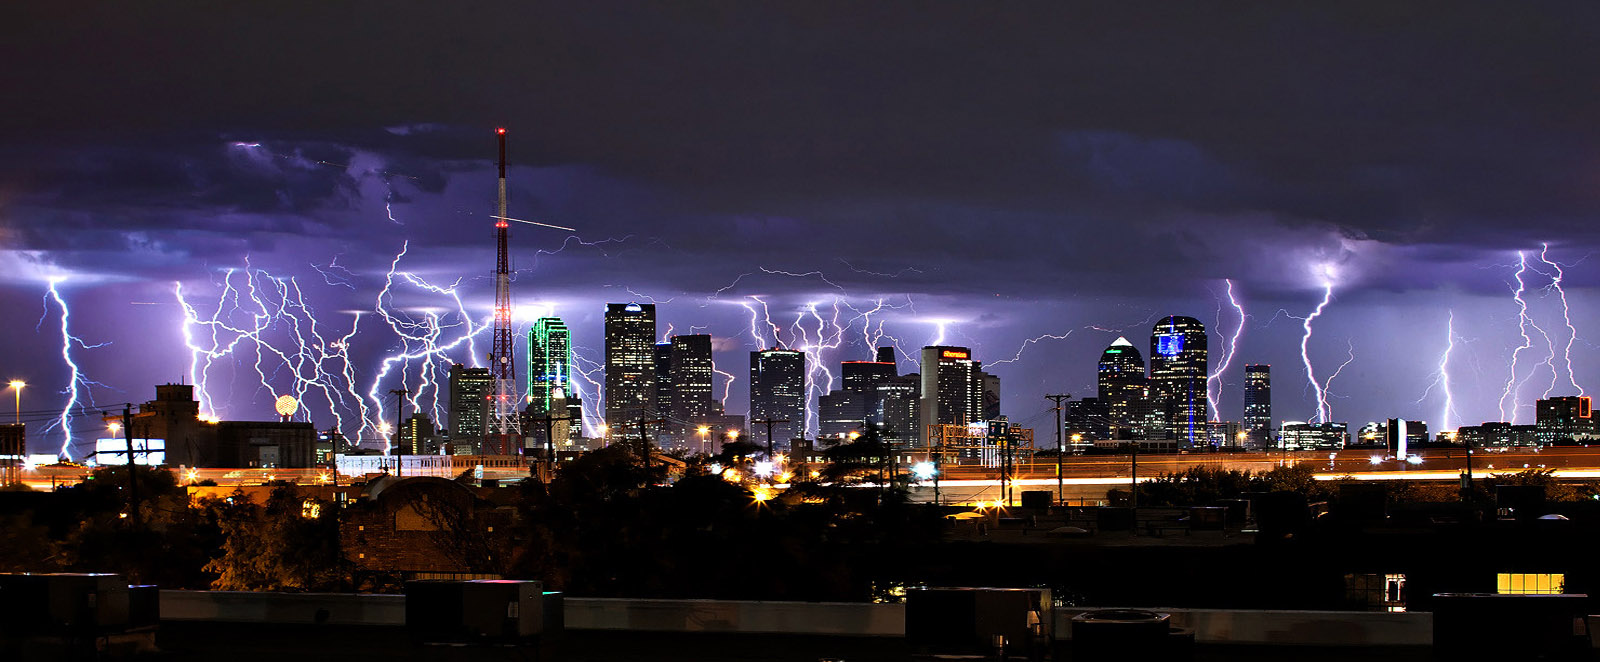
{"x": 1178, "y": 377}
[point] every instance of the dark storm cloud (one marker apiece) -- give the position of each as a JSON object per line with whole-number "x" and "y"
{"x": 1025, "y": 167}
{"x": 1429, "y": 122}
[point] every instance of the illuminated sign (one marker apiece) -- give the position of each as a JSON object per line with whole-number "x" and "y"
{"x": 1583, "y": 407}
{"x": 1169, "y": 345}
{"x": 952, "y": 354}
{"x": 149, "y": 452}
{"x": 633, "y": 308}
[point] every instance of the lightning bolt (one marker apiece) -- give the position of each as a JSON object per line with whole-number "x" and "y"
{"x": 1566, "y": 316}
{"x": 1031, "y": 341}
{"x": 1327, "y": 384}
{"x": 422, "y": 341}
{"x": 77, "y": 380}
{"x": 1513, "y": 387}
{"x": 1322, "y": 415}
{"x": 1441, "y": 377}
{"x": 594, "y": 409}
{"x": 1214, "y": 394}
{"x": 246, "y": 319}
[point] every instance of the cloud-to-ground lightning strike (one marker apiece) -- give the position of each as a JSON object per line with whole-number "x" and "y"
{"x": 421, "y": 341}
{"x": 76, "y": 378}
{"x": 1513, "y": 387}
{"x": 1566, "y": 315}
{"x": 1327, "y": 384}
{"x": 1322, "y": 414}
{"x": 594, "y": 408}
{"x": 1441, "y": 377}
{"x": 1214, "y": 380}
{"x": 269, "y": 317}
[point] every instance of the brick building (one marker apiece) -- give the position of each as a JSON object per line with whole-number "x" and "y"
{"x": 425, "y": 528}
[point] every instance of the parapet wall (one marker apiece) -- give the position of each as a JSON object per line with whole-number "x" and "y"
{"x": 832, "y": 619}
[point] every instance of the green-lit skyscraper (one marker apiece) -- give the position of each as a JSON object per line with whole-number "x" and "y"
{"x": 549, "y": 361}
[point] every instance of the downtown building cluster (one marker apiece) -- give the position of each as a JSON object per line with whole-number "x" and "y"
{"x": 670, "y": 392}
{"x": 1164, "y": 408}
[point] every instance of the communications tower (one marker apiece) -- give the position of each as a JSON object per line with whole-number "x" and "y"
{"x": 505, "y": 425}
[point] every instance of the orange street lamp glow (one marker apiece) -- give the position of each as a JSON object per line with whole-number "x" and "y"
{"x": 16, "y": 385}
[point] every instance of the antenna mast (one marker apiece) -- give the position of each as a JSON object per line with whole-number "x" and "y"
{"x": 506, "y": 430}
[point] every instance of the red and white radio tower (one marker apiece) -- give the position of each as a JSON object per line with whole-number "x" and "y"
{"x": 506, "y": 427}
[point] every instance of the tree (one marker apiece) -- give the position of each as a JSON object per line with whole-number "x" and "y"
{"x": 291, "y": 543}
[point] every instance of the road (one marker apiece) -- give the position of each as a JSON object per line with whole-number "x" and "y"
{"x": 1084, "y": 478}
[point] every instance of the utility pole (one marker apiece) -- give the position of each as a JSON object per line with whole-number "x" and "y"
{"x": 1466, "y": 479}
{"x": 133, "y": 478}
{"x": 550, "y": 440}
{"x": 399, "y": 408}
{"x": 1133, "y": 448}
{"x": 891, "y": 469}
{"x": 644, "y": 441}
{"x": 1006, "y": 478}
{"x": 769, "y": 422}
{"x": 333, "y": 454}
{"x": 1061, "y": 489}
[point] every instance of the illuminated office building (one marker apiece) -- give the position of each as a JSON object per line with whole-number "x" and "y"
{"x": 1258, "y": 405}
{"x": 1121, "y": 382}
{"x": 1178, "y": 377}
{"x": 630, "y": 371}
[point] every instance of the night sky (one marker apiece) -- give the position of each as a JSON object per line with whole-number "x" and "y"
{"x": 991, "y": 173}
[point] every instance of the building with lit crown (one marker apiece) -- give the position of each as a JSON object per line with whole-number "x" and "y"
{"x": 952, "y": 387}
{"x": 1178, "y": 377}
{"x": 630, "y": 369}
{"x": 549, "y": 361}
{"x": 1121, "y": 385}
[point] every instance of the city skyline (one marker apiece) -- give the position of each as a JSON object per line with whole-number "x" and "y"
{"x": 1030, "y": 204}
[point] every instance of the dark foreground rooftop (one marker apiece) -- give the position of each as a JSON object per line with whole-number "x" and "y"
{"x": 247, "y": 627}
{"x": 247, "y": 642}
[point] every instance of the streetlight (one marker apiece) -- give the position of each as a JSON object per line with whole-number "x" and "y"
{"x": 703, "y": 431}
{"x": 16, "y": 385}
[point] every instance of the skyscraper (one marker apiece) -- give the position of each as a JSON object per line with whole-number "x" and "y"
{"x": 469, "y": 404}
{"x": 952, "y": 387}
{"x": 663, "y": 372}
{"x": 1178, "y": 377}
{"x": 900, "y": 408}
{"x": 1258, "y": 404}
{"x": 777, "y": 392}
{"x": 886, "y": 355}
{"x": 549, "y": 361}
{"x": 1121, "y": 382}
{"x": 630, "y": 364}
{"x": 692, "y": 373}
{"x": 863, "y": 379}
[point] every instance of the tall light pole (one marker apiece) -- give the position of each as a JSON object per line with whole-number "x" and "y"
{"x": 1061, "y": 489}
{"x": 16, "y": 385}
